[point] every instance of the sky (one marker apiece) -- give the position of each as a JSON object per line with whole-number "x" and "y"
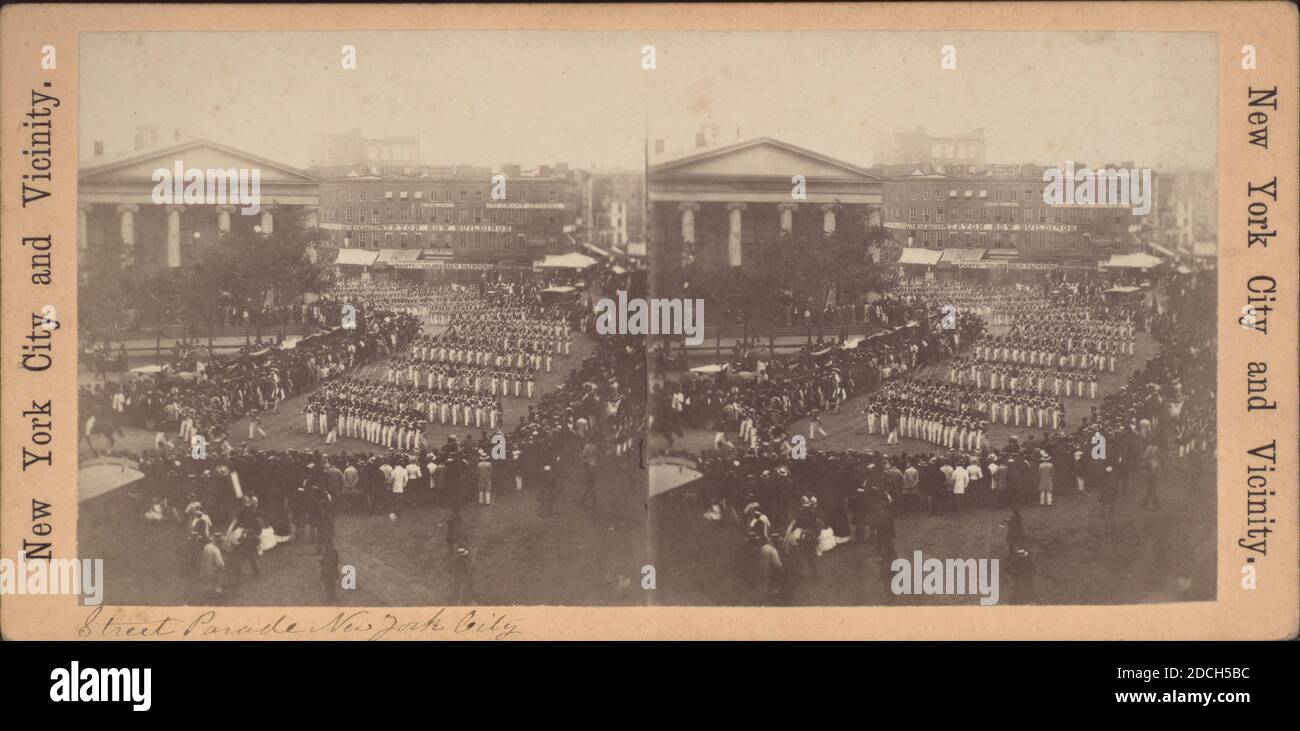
{"x": 489, "y": 97}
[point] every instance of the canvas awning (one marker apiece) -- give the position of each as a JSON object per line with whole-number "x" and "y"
{"x": 572, "y": 260}
{"x": 356, "y": 257}
{"x": 1131, "y": 261}
{"x": 956, "y": 255}
{"x": 914, "y": 255}
{"x": 1162, "y": 251}
{"x": 1205, "y": 249}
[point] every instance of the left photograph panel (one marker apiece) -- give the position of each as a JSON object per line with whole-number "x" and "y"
{"x": 336, "y": 296}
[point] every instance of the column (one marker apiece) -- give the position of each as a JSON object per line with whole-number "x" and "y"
{"x": 787, "y": 215}
{"x": 311, "y": 218}
{"x": 126, "y": 231}
{"x": 734, "y": 211}
{"x": 174, "y": 235}
{"x": 223, "y": 218}
{"x": 688, "y": 221}
{"x": 83, "y": 222}
{"x": 828, "y": 218}
{"x": 268, "y": 224}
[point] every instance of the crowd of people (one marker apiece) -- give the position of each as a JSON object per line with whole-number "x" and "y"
{"x": 789, "y": 510}
{"x": 220, "y": 390}
{"x": 759, "y": 399}
{"x": 242, "y": 500}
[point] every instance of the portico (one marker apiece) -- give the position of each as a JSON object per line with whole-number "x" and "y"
{"x": 116, "y": 207}
{"x": 714, "y": 207}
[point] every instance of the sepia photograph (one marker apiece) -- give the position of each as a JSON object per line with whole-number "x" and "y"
{"x": 626, "y": 329}
{"x": 959, "y": 293}
{"x": 336, "y": 296}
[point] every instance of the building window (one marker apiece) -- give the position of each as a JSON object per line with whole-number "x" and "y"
{"x": 347, "y": 215}
{"x": 464, "y": 215}
{"x": 464, "y": 196}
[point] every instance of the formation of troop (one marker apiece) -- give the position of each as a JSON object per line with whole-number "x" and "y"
{"x": 436, "y": 303}
{"x": 1062, "y": 339}
{"x": 493, "y": 380}
{"x": 1040, "y": 380}
{"x": 931, "y": 411}
{"x": 997, "y": 306}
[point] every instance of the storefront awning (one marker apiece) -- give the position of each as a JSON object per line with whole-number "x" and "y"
{"x": 958, "y": 255}
{"x": 356, "y": 257}
{"x": 1162, "y": 251}
{"x": 571, "y": 260}
{"x": 1205, "y": 249}
{"x": 1131, "y": 261}
{"x": 914, "y": 255}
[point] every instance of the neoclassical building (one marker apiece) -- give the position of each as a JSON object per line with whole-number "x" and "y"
{"x": 717, "y": 205}
{"x": 115, "y": 202}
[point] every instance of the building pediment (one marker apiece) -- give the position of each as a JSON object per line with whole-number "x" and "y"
{"x": 202, "y": 154}
{"x": 761, "y": 158}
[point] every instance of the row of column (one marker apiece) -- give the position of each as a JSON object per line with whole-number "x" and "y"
{"x": 735, "y": 213}
{"x": 126, "y": 213}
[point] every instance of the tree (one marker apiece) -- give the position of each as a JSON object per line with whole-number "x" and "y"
{"x": 273, "y": 266}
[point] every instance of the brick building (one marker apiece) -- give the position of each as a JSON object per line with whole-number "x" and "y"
{"x": 453, "y": 216}
{"x": 1003, "y": 212}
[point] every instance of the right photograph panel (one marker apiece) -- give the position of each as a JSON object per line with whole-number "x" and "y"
{"x": 932, "y": 318}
